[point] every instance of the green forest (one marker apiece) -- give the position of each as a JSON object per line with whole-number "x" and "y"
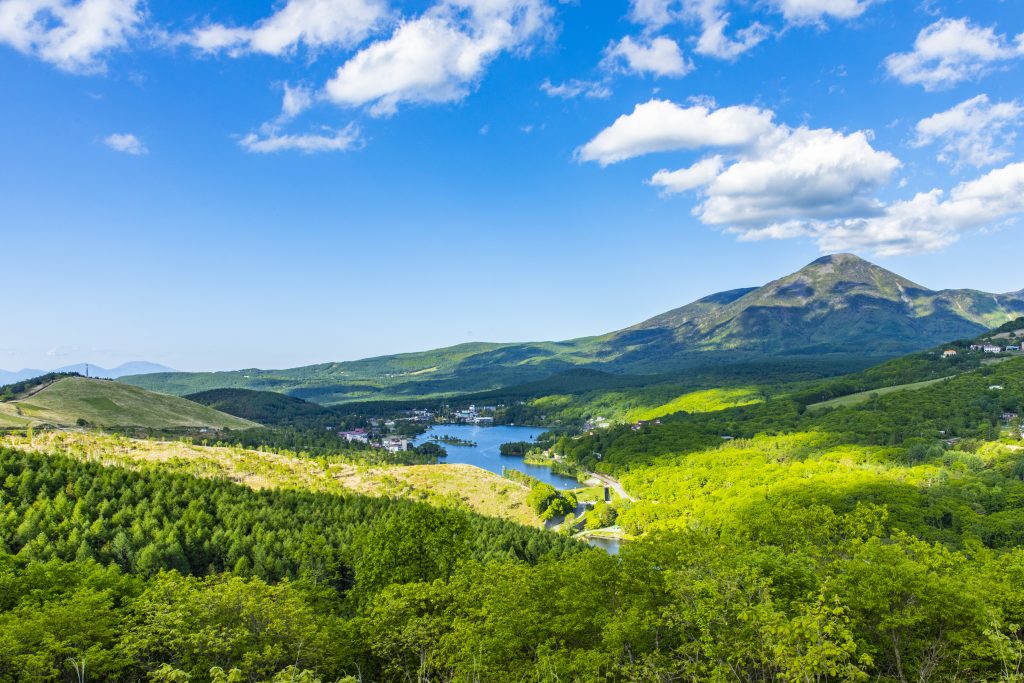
{"x": 767, "y": 540}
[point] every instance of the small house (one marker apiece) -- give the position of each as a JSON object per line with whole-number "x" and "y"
{"x": 948, "y": 353}
{"x": 990, "y": 348}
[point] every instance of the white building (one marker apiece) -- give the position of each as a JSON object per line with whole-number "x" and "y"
{"x": 395, "y": 444}
{"x": 356, "y": 435}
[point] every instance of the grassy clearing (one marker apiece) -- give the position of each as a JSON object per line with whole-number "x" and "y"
{"x": 111, "y": 404}
{"x": 462, "y": 486}
{"x": 10, "y": 419}
{"x": 707, "y": 401}
{"x": 861, "y": 397}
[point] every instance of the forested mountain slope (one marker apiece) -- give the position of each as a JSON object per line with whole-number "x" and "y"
{"x": 838, "y": 306}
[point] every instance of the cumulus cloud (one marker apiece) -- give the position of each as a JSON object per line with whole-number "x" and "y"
{"x": 126, "y": 143}
{"x": 74, "y": 36}
{"x": 658, "y": 56}
{"x": 951, "y": 51}
{"x": 773, "y": 181}
{"x": 662, "y": 126}
{"x": 313, "y": 23}
{"x": 802, "y": 174}
{"x": 269, "y": 140}
{"x": 575, "y": 88}
{"x": 713, "y": 40}
{"x": 697, "y": 175}
{"x": 928, "y": 222}
{"x": 975, "y": 132}
{"x": 439, "y": 56}
{"x": 801, "y": 11}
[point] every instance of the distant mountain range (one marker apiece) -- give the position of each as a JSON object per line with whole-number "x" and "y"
{"x": 137, "y": 367}
{"x": 839, "y": 305}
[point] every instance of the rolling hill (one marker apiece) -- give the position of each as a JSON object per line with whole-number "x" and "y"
{"x": 265, "y": 407}
{"x": 839, "y": 306}
{"x": 104, "y": 403}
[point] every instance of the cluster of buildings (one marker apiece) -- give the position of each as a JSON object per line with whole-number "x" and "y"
{"x": 391, "y": 444}
{"x": 475, "y": 415}
{"x": 640, "y": 424}
{"x": 987, "y": 348}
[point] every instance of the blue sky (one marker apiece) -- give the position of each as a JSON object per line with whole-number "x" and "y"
{"x": 235, "y": 184}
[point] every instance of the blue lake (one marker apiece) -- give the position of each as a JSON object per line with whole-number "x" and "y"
{"x": 486, "y": 454}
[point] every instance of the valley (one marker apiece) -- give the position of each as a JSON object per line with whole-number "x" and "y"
{"x": 744, "y": 513}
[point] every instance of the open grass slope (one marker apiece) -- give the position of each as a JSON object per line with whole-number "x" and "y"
{"x": 836, "y": 305}
{"x": 706, "y": 401}
{"x": 104, "y": 403}
{"x": 863, "y": 396}
{"x": 453, "y": 486}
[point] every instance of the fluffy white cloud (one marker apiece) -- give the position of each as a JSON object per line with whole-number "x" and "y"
{"x": 313, "y": 23}
{"x": 975, "y": 131}
{"x": 698, "y": 175}
{"x": 713, "y": 17}
{"x": 815, "y": 10}
{"x": 662, "y": 126}
{"x": 268, "y": 140}
{"x": 927, "y": 222}
{"x": 653, "y": 13}
{"x": 659, "y": 56}
{"x": 126, "y": 143}
{"x": 74, "y": 36}
{"x": 772, "y": 181}
{"x": 576, "y": 88}
{"x": 713, "y": 40}
{"x": 950, "y": 51}
{"x": 439, "y": 56}
{"x": 803, "y": 174}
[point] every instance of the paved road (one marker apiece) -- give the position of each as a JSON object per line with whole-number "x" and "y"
{"x": 614, "y": 484}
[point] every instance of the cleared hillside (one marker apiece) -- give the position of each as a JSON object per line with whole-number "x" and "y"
{"x": 103, "y": 403}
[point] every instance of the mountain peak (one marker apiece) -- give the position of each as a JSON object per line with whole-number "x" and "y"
{"x": 840, "y": 259}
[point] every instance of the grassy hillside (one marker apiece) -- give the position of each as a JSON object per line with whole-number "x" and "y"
{"x": 449, "y": 486}
{"x": 835, "y": 307}
{"x": 103, "y": 403}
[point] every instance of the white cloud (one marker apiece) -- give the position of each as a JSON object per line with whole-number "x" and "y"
{"x": 927, "y": 222}
{"x": 313, "y": 23}
{"x": 74, "y": 36}
{"x": 439, "y": 56}
{"x": 576, "y": 88}
{"x": 713, "y": 40}
{"x": 950, "y": 51}
{"x": 712, "y": 16}
{"x": 662, "y": 126}
{"x": 698, "y": 175}
{"x": 659, "y": 56}
{"x": 975, "y": 131}
{"x": 126, "y": 143}
{"x": 653, "y": 13}
{"x": 269, "y": 140}
{"x": 804, "y": 174}
{"x": 295, "y": 101}
{"x": 801, "y": 11}
{"x": 772, "y": 181}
